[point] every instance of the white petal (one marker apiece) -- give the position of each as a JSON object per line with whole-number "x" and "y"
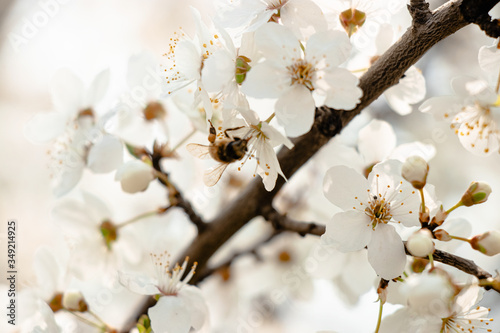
{"x": 332, "y": 46}
{"x": 376, "y": 141}
{"x": 134, "y": 176}
{"x": 170, "y": 315}
{"x": 138, "y": 65}
{"x": 69, "y": 177}
{"x": 188, "y": 60}
{"x": 303, "y": 17}
{"x": 343, "y": 92}
{"x": 278, "y": 43}
{"x": 386, "y": 252}
{"x": 98, "y": 88}
{"x": 275, "y": 138}
{"x": 194, "y": 300}
{"x": 350, "y": 230}
{"x": 218, "y": 71}
{"x": 139, "y": 284}
{"x": 443, "y": 107}
{"x": 44, "y": 127}
{"x": 295, "y": 110}
{"x": 405, "y": 150}
{"x": 67, "y": 92}
{"x": 470, "y": 86}
{"x": 345, "y": 187}
{"x": 489, "y": 59}
{"x": 106, "y": 155}
{"x": 409, "y": 90}
{"x": 266, "y": 80}
{"x": 47, "y": 270}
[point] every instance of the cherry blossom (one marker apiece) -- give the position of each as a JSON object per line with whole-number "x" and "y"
{"x": 294, "y": 76}
{"x": 370, "y": 205}
{"x": 180, "y": 306}
{"x": 185, "y": 59}
{"x": 473, "y": 114}
{"x": 76, "y": 130}
{"x": 264, "y": 138}
{"x": 140, "y": 116}
{"x": 302, "y": 16}
{"x": 97, "y": 245}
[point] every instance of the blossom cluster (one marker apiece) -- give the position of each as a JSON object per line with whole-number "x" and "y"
{"x": 243, "y": 86}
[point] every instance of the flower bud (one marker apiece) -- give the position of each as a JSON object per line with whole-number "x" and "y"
{"x": 73, "y": 300}
{"x": 477, "y": 193}
{"x": 134, "y": 176}
{"x": 487, "y": 243}
{"x": 420, "y": 244}
{"x": 442, "y": 235}
{"x": 415, "y": 170}
{"x": 429, "y": 294}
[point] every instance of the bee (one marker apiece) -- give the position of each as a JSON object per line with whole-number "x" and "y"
{"x": 223, "y": 149}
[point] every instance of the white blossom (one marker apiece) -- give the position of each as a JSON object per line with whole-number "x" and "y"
{"x": 76, "y": 131}
{"x": 473, "y": 114}
{"x": 293, "y": 76}
{"x": 180, "y": 306}
{"x": 369, "y": 208}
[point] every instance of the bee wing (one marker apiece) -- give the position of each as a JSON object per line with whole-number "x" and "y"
{"x": 197, "y": 150}
{"x": 212, "y": 175}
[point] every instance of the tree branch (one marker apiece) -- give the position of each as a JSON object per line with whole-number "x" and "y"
{"x": 283, "y": 223}
{"x": 420, "y": 12}
{"x": 383, "y": 74}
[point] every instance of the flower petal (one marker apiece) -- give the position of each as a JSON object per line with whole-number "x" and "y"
{"x": 332, "y": 46}
{"x": 97, "y": 89}
{"x": 44, "y": 127}
{"x": 194, "y": 300}
{"x": 386, "y": 252}
{"x": 344, "y": 93}
{"x": 295, "y": 110}
{"x": 67, "y": 92}
{"x": 170, "y": 314}
{"x": 345, "y": 187}
{"x": 106, "y": 155}
{"x": 443, "y": 107}
{"x": 266, "y": 80}
{"x": 376, "y": 141}
{"x": 350, "y": 230}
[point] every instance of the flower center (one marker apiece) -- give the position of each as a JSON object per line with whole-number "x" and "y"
{"x": 352, "y": 19}
{"x": 379, "y": 211}
{"x": 302, "y": 73}
{"x": 109, "y": 233}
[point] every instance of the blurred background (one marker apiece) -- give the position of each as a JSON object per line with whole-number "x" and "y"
{"x": 37, "y": 38}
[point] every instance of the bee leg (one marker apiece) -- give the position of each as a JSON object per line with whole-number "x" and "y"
{"x": 231, "y": 129}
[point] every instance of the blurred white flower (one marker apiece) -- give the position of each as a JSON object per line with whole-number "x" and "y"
{"x": 97, "y": 245}
{"x": 134, "y": 176}
{"x": 473, "y": 113}
{"x": 369, "y": 206}
{"x": 140, "y": 115}
{"x": 294, "y": 76}
{"x": 76, "y": 130}
{"x": 180, "y": 306}
{"x": 302, "y": 16}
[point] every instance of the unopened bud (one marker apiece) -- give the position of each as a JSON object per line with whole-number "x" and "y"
{"x": 73, "y": 300}
{"x": 487, "y": 243}
{"x": 442, "y": 235}
{"x": 134, "y": 176}
{"x": 419, "y": 264}
{"x": 420, "y": 244}
{"x": 415, "y": 170}
{"x": 477, "y": 193}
